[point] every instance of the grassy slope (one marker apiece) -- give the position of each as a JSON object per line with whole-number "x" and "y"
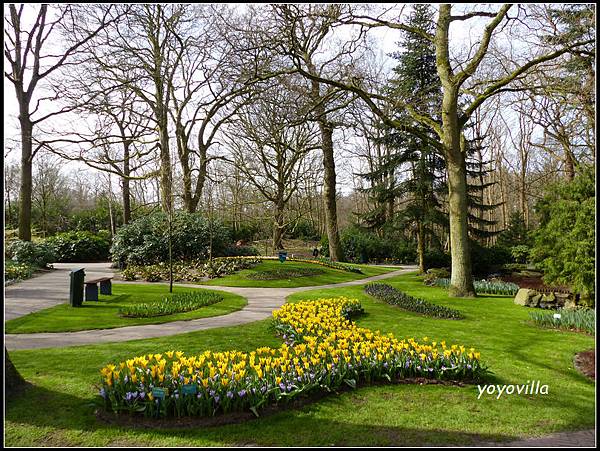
{"x": 385, "y": 415}
{"x": 104, "y": 314}
{"x": 328, "y": 276}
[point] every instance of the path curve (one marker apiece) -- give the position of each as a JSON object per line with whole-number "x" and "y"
{"x": 261, "y": 303}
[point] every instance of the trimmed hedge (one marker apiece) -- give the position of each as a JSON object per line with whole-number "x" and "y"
{"x": 405, "y": 301}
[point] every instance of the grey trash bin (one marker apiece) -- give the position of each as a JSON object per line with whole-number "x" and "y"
{"x": 76, "y": 291}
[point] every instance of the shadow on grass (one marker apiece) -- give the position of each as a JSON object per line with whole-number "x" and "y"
{"x": 41, "y": 407}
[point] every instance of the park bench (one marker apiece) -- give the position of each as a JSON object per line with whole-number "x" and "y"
{"x": 91, "y": 288}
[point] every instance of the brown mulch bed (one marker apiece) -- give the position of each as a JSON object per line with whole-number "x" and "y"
{"x": 585, "y": 363}
{"x": 139, "y": 421}
{"x": 534, "y": 283}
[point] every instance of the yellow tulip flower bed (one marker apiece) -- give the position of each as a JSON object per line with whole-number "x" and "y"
{"x": 324, "y": 351}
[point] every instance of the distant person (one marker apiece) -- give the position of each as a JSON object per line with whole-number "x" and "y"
{"x": 315, "y": 252}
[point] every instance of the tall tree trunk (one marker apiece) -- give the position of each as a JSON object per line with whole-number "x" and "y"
{"x": 278, "y": 227}
{"x": 421, "y": 246}
{"x": 26, "y": 175}
{"x": 166, "y": 180}
{"x": 329, "y": 192}
{"x": 461, "y": 282}
{"x": 126, "y": 185}
{"x": 202, "y": 172}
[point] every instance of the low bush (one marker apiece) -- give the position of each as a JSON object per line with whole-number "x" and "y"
{"x": 433, "y": 274}
{"x": 80, "y": 246}
{"x": 327, "y": 352}
{"x": 191, "y": 271}
{"x": 177, "y": 303}
{"x": 146, "y": 240}
{"x": 29, "y": 253}
{"x": 284, "y": 273}
{"x": 581, "y": 319}
{"x": 435, "y": 258}
{"x": 487, "y": 260}
{"x": 520, "y": 253}
{"x": 405, "y": 301}
{"x": 17, "y": 271}
{"x": 485, "y": 286}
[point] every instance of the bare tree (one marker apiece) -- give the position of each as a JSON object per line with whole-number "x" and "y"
{"x": 271, "y": 146}
{"x": 33, "y": 57}
{"x": 454, "y": 76}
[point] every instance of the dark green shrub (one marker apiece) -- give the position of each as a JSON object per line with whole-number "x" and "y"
{"x": 30, "y": 253}
{"x": 516, "y": 233}
{"x": 80, "y": 246}
{"x": 405, "y": 301}
{"x": 176, "y": 303}
{"x": 435, "y": 258}
{"x": 487, "y": 260}
{"x": 520, "y": 253}
{"x": 303, "y": 230}
{"x": 146, "y": 240}
{"x": 564, "y": 244}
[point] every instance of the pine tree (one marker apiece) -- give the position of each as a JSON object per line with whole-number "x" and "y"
{"x": 416, "y": 81}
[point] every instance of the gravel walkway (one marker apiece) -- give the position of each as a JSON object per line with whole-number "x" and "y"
{"x": 53, "y": 288}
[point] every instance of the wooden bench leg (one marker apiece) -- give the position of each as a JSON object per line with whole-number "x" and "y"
{"x": 106, "y": 287}
{"x": 91, "y": 292}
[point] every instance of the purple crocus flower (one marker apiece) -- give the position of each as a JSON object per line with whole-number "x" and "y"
{"x": 229, "y": 394}
{"x": 103, "y": 393}
{"x": 217, "y": 398}
{"x": 242, "y": 393}
{"x": 282, "y": 386}
{"x": 142, "y": 395}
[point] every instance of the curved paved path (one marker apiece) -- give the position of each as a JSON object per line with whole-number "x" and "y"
{"x": 32, "y": 293}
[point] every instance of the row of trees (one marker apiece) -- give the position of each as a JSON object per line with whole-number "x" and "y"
{"x": 195, "y": 98}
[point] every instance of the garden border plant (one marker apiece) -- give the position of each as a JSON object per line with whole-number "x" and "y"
{"x": 405, "y": 301}
{"x": 323, "y": 351}
{"x": 169, "y": 305}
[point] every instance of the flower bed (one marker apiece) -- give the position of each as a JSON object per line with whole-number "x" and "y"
{"x": 570, "y": 319}
{"x": 484, "y": 286}
{"x": 393, "y": 296}
{"x": 178, "y": 303}
{"x": 324, "y": 351}
{"x": 192, "y": 271}
{"x": 284, "y": 273}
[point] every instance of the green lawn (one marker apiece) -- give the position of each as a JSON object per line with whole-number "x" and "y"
{"x": 105, "y": 313}
{"x": 329, "y": 275}
{"x": 515, "y": 351}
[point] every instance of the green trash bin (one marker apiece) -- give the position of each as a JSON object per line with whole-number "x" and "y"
{"x": 76, "y": 291}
